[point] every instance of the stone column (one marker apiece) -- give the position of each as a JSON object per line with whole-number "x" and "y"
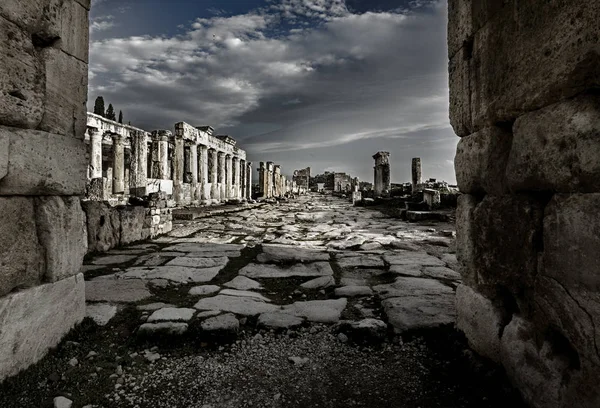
{"x": 382, "y": 183}
{"x": 118, "y": 179}
{"x": 195, "y": 191}
{"x": 214, "y": 174}
{"x": 249, "y": 181}
{"x": 277, "y": 180}
{"x": 138, "y": 179}
{"x": 178, "y": 170}
{"x": 163, "y": 155}
{"x": 235, "y": 177}
{"x": 242, "y": 184}
{"x": 222, "y": 180}
{"x": 269, "y": 178}
{"x": 203, "y": 171}
{"x": 416, "y": 173}
{"x": 228, "y": 176}
{"x": 262, "y": 182}
{"x": 95, "y": 153}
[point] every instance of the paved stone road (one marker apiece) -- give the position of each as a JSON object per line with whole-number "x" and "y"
{"x": 313, "y": 259}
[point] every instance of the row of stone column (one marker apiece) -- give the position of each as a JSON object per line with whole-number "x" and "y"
{"x": 271, "y": 182}
{"x": 212, "y": 175}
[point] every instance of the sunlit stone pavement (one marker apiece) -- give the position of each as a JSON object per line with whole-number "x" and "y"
{"x": 314, "y": 259}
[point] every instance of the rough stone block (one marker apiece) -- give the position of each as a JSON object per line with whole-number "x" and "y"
{"x": 21, "y": 79}
{"x": 36, "y": 319}
{"x": 66, "y": 83}
{"x": 21, "y": 255}
{"x": 103, "y": 226}
{"x": 62, "y": 232}
{"x": 480, "y": 320}
{"x": 72, "y": 27}
{"x": 557, "y": 148}
{"x": 523, "y": 59}
{"x": 37, "y": 165}
{"x": 132, "y": 224}
{"x": 480, "y": 161}
{"x": 502, "y": 235}
{"x": 4, "y": 144}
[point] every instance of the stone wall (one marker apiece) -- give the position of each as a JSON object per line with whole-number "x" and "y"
{"x": 43, "y": 92}
{"x": 524, "y": 80}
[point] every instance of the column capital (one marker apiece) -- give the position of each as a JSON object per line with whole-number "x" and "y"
{"x": 117, "y": 138}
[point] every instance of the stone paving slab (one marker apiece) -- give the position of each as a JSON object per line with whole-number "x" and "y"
{"x": 413, "y": 258}
{"x": 171, "y": 314}
{"x": 116, "y": 290}
{"x": 300, "y": 270}
{"x": 239, "y": 305}
{"x": 243, "y": 283}
{"x": 320, "y": 311}
{"x": 278, "y": 254}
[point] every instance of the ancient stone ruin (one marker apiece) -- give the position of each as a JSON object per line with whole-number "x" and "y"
{"x": 301, "y": 180}
{"x": 523, "y": 99}
{"x": 382, "y": 183}
{"x": 416, "y": 173}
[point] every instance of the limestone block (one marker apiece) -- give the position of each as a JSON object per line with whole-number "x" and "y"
{"x": 21, "y": 255}
{"x": 567, "y": 290}
{"x": 480, "y": 320}
{"x": 132, "y": 224}
{"x": 522, "y": 60}
{"x": 66, "y": 83}
{"x": 36, "y": 319}
{"x": 557, "y": 148}
{"x": 502, "y": 235}
{"x": 480, "y": 161}
{"x": 103, "y": 226}
{"x": 21, "y": 79}
{"x": 72, "y": 27}
{"x": 4, "y": 144}
{"x": 37, "y": 164}
{"x": 62, "y": 232}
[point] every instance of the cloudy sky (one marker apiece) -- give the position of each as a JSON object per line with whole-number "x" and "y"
{"x": 319, "y": 83}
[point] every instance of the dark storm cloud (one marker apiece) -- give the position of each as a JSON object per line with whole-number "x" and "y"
{"x": 319, "y": 95}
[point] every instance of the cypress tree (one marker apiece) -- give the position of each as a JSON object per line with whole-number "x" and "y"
{"x": 110, "y": 113}
{"x": 120, "y": 116}
{"x": 99, "y": 106}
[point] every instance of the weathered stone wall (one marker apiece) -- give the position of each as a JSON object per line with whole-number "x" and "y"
{"x": 43, "y": 92}
{"x": 302, "y": 179}
{"x": 524, "y": 77}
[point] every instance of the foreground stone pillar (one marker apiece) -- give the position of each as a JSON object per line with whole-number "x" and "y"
{"x": 203, "y": 172}
{"x": 249, "y": 181}
{"x": 118, "y": 155}
{"x": 222, "y": 177}
{"x": 416, "y": 173}
{"x": 163, "y": 155}
{"x": 523, "y": 99}
{"x": 43, "y": 172}
{"x": 382, "y": 184}
{"x": 138, "y": 180}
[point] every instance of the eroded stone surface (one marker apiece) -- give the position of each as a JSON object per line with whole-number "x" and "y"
{"x": 302, "y": 270}
{"x": 116, "y": 290}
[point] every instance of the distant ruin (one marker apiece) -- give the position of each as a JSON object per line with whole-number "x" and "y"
{"x": 382, "y": 183}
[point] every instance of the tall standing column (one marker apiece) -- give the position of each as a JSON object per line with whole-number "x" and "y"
{"x": 163, "y": 156}
{"x": 222, "y": 183}
{"x": 249, "y": 180}
{"x": 178, "y": 170}
{"x": 242, "y": 185}
{"x": 202, "y": 171}
{"x": 228, "y": 176}
{"x": 382, "y": 182}
{"x": 416, "y": 173}
{"x": 214, "y": 175}
{"x": 262, "y": 179}
{"x": 138, "y": 179}
{"x": 118, "y": 150}
{"x": 95, "y": 153}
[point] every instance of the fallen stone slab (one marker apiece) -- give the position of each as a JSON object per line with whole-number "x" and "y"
{"x": 244, "y": 293}
{"x": 409, "y": 286}
{"x": 441, "y": 272}
{"x": 282, "y": 254}
{"x": 362, "y": 261}
{"x": 319, "y": 283}
{"x": 366, "y": 330}
{"x": 299, "y": 270}
{"x": 113, "y": 259}
{"x": 235, "y": 304}
{"x": 353, "y": 291}
{"x": 207, "y": 250}
{"x": 412, "y": 312}
{"x": 310, "y": 217}
{"x": 347, "y": 243}
{"x": 194, "y": 262}
{"x": 243, "y": 283}
{"x": 208, "y": 313}
{"x": 100, "y": 313}
{"x": 116, "y": 290}
{"x": 182, "y": 274}
{"x": 407, "y": 270}
{"x": 279, "y": 320}
{"x": 204, "y": 290}
{"x": 175, "y": 328}
{"x": 413, "y": 258}
{"x": 320, "y": 311}
{"x": 172, "y": 314}
{"x": 225, "y": 322}
{"x": 153, "y": 306}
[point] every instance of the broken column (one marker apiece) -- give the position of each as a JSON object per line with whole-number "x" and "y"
{"x": 416, "y": 173}
{"x": 523, "y": 99}
{"x": 43, "y": 171}
{"x": 163, "y": 154}
{"x": 382, "y": 183}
